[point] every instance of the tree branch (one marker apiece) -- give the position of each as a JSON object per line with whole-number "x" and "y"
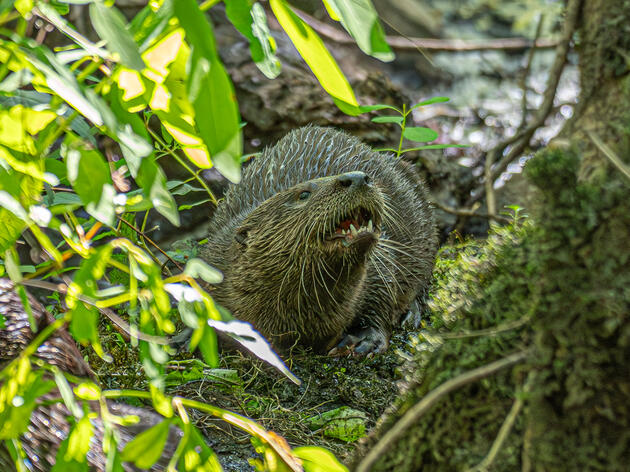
{"x": 521, "y": 139}
{"x": 401, "y": 43}
{"x": 430, "y": 399}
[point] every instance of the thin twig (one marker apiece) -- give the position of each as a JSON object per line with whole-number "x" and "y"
{"x": 77, "y": 37}
{"x": 521, "y": 139}
{"x": 491, "y": 201}
{"x": 486, "y": 332}
{"x": 469, "y": 212}
{"x": 609, "y": 153}
{"x": 505, "y": 429}
{"x": 144, "y": 236}
{"x": 525, "y": 74}
{"x": 431, "y": 44}
{"x": 117, "y": 320}
{"x": 420, "y": 408}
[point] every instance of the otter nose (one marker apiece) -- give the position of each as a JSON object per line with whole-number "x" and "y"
{"x": 353, "y": 179}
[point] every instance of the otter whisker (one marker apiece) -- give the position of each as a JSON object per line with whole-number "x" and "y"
{"x": 318, "y": 225}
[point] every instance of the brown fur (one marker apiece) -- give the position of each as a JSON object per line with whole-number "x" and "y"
{"x": 282, "y": 274}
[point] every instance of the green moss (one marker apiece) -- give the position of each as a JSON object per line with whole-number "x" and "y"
{"x": 558, "y": 285}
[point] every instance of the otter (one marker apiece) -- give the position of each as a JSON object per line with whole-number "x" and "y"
{"x": 49, "y": 424}
{"x": 324, "y": 242}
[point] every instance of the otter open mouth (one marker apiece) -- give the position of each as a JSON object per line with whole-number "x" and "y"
{"x": 357, "y": 224}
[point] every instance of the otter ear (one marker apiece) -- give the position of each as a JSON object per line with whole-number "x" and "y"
{"x": 241, "y": 235}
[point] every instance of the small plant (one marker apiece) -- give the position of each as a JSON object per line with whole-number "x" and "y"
{"x": 416, "y": 134}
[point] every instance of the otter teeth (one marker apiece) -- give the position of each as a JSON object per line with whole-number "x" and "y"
{"x": 354, "y": 230}
{"x": 370, "y": 227}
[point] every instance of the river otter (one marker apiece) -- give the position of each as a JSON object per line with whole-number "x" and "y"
{"x": 323, "y": 240}
{"x": 49, "y": 424}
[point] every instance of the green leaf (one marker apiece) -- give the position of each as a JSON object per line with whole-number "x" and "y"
{"x": 146, "y": 448}
{"x": 153, "y": 182}
{"x": 250, "y": 20}
{"x": 136, "y": 135}
{"x": 63, "y": 83}
{"x": 54, "y": 17}
{"x": 90, "y": 177}
{"x": 178, "y": 187}
{"x": 317, "y": 459}
{"x": 379, "y": 106}
{"x": 312, "y": 49}
{"x": 70, "y": 455}
{"x": 388, "y": 119}
{"x": 11, "y": 223}
{"x": 431, "y": 101}
{"x": 360, "y": 19}
{"x": 20, "y": 382}
{"x": 147, "y": 25}
{"x": 216, "y": 115}
{"x": 342, "y": 423}
{"x": 211, "y": 93}
{"x": 84, "y": 323}
{"x": 198, "y": 268}
{"x": 419, "y": 134}
{"x": 79, "y": 440}
{"x": 110, "y": 25}
{"x": 209, "y": 346}
{"x": 206, "y": 460}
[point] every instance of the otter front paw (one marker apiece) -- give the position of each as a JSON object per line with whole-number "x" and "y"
{"x": 366, "y": 342}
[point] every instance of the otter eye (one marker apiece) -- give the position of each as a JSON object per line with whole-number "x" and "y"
{"x": 304, "y": 195}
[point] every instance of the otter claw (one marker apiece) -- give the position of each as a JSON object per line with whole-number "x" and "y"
{"x": 367, "y": 342}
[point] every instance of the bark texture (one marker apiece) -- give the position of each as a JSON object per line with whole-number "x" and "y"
{"x": 556, "y": 287}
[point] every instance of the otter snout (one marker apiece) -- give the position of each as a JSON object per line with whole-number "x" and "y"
{"x": 355, "y": 179}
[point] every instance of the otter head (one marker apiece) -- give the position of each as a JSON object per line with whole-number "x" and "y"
{"x": 300, "y": 257}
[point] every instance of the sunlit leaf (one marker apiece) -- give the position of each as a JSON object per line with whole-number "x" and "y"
{"x": 146, "y": 448}
{"x": 159, "y": 56}
{"x": 79, "y": 440}
{"x": 198, "y": 457}
{"x": 87, "y": 391}
{"x": 63, "y": 83}
{"x": 317, "y": 459}
{"x": 151, "y": 22}
{"x": 198, "y": 268}
{"x": 131, "y": 82}
{"x": 211, "y": 93}
{"x": 314, "y": 52}
{"x": 17, "y": 398}
{"x": 360, "y": 19}
{"x": 54, "y": 17}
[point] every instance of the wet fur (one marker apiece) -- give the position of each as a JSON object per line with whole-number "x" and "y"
{"x": 278, "y": 274}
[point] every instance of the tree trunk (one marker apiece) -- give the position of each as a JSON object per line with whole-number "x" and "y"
{"x": 554, "y": 290}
